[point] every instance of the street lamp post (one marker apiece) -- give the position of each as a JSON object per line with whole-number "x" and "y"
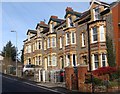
{"x": 16, "y": 50}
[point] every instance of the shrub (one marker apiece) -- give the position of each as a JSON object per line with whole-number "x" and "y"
{"x": 94, "y": 81}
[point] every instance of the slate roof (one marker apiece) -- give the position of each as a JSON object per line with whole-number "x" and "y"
{"x": 42, "y": 25}
{"x": 56, "y": 20}
{"x": 78, "y": 14}
{"x": 45, "y": 30}
{"x": 83, "y": 15}
{"x": 31, "y": 31}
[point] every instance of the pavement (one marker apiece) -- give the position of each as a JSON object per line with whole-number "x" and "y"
{"x": 51, "y": 85}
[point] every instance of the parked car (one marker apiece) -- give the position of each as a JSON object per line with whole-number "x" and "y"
{"x": 28, "y": 69}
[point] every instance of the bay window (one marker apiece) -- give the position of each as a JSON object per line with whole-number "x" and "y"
{"x": 48, "y": 43}
{"x": 60, "y": 42}
{"x": 94, "y": 35}
{"x": 49, "y": 60}
{"x": 83, "y": 39}
{"x": 73, "y": 37}
{"x": 53, "y": 42}
{"x": 103, "y": 58}
{"x": 96, "y": 61}
{"x": 67, "y": 38}
{"x": 102, "y": 33}
{"x": 45, "y": 45}
{"x": 53, "y": 60}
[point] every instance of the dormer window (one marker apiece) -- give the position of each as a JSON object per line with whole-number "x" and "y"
{"x": 51, "y": 27}
{"x": 96, "y": 12}
{"x": 70, "y": 23}
{"x": 28, "y": 37}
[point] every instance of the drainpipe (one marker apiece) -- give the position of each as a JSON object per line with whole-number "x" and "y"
{"x": 89, "y": 57}
{"x": 89, "y": 49}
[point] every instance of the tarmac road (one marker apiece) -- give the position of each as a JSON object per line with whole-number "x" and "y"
{"x": 13, "y": 85}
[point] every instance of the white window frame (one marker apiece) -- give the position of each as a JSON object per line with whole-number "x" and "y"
{"x": 93, "y": 35}
{"x": 96, "y": 61}
{"x": 48, "y": 43}
{"x": 49, "y": 60}
{"x": 83, "y": 39}
{"x": 73, "y": 60}
{"x": 53, "y": 41}
{"x": 67, "y": 61}
{"x": 67, "y": 39}
{"x": 40, "y": 60}
{"x": 45, "y": 44}
{"x": 60, "y": 42}
{"x": 51, "y": 27}
{"x": 53, "y": 59}
{"x": 40, "y": 44}
{"x": 103, "y": 60}
{"x": 37, "y": 60}
{"x": 29, "y": 48}
{"x": 70, "y": 23}
{"x": 96, "y": 15}
{"x": 73, "y": 37}
{"x": 102, "y": 33}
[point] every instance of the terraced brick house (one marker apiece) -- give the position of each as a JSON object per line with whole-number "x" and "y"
{"x": 78, "y": 39}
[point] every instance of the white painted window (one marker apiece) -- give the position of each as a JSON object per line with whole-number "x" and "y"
{"x": 67, "y": 38}
{"x": 37, "y": 60}
{"x": 40, "y": 60}
{"x": 28, "y": 37}
{"x": 96, "y": 12}
{"x": 73, "y": 37}
{"x": 53, "y": 42}
{"x": 45, "y": 45}
{"x": 60, "y": 42}
{"x": 49, "y": 60}
{"x": 83, "y": 39}
{"x": 70, "y": 23}
{"x": 33, "y": 47}
{"x": 53, "y": 60}
{"x": 48, "y": 43}
{"x": 103, "y": 60}
{"x": 96, "y": 61}
{"x": 51, "y": 27}
{"x": 39, "y": 44}
{"x": 29, "y": 48}
{"x": 67, "y": 60}
{"x": 94, "y": 35}
{"x": 36, "y": 45}
{"x": 102, "y": 33}
{"x": 73, "y": 60}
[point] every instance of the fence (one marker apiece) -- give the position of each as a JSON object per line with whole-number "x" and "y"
{"x": 53, "y": 76}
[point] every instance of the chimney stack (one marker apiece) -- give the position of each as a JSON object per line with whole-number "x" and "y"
{"x": 55, "y": 17}
{"x": 69, "y": 9}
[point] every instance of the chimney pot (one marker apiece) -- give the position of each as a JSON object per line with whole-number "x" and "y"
{"x": 55, "y": 17}
{"x": 42, "y": 22}
{"x": 69, "y": 9}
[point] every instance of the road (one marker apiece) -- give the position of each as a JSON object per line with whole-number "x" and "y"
{"x": 12, "y": 85}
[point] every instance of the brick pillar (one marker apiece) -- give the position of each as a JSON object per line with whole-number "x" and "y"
{"x": 82, "y": 70}
{"x": 68, "y": 72}
{"x": 70, "y": 60}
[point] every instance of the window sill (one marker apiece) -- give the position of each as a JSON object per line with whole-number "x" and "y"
{"x": 60, "y": 48}
{"x": 94, "y": 42}
{"x": 83, "y": 47}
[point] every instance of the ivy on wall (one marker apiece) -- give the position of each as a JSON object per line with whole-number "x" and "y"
{"x": 110, "y": 51}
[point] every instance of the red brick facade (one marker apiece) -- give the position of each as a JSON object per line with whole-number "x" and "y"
{"x": 116, "y": 21}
